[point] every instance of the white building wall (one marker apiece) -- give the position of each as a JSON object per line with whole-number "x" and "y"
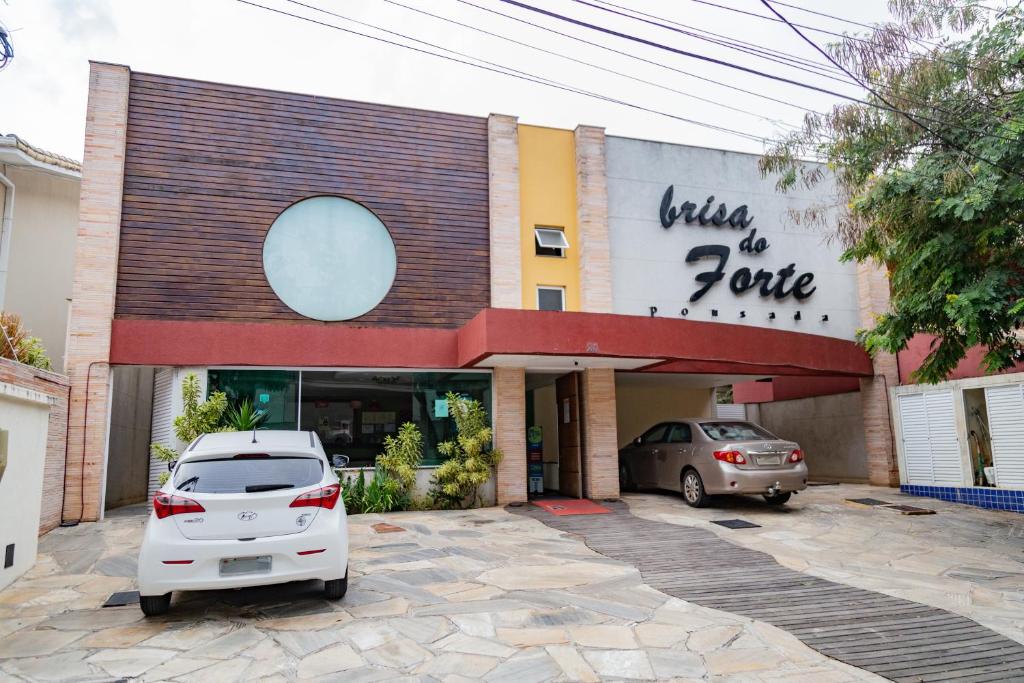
{"x": 24, "y": 416}
{"x": 649, "y": 265}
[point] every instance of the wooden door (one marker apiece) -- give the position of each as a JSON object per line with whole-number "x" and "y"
{"x": 570, "y": 436}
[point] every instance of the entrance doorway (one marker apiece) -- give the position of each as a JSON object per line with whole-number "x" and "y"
{"x": 569, "y": 399}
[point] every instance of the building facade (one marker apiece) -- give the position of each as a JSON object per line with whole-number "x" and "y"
{"x": 344, "y": 265}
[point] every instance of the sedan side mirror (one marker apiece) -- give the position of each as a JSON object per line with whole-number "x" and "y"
{"x": 339, "y": 460}
{"x": 171, "y": 465}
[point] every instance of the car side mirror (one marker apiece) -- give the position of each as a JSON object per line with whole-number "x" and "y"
{"x": 171, "y": 465}
{"x": 339, "y": 460}
{"x": 638, "y": 441}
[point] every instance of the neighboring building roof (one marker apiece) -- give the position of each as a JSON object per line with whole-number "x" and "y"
{"x": 18, "y": 152}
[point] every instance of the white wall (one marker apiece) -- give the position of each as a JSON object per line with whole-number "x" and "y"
{"x": 42, "y": 258}
{"x": 642, "y": 401}
{"x": 649, "y": 265}
{"x": 24, "y": 415}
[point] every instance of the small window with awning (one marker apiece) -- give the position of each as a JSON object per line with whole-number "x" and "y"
{"x": 550, "y": 241}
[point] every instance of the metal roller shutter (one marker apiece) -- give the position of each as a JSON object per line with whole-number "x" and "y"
{"x": 1006, "y": 424}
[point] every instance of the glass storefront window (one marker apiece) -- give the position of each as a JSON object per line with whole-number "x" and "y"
{"x": 273, "y": 391}
{"x": 352, "y": 411}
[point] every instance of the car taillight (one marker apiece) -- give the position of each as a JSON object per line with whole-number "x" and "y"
{"x": 796, "y": 456}
{"x": 326, "y": 497}
{"x": 166, "y": 505}
{"x": 731, "y": 457}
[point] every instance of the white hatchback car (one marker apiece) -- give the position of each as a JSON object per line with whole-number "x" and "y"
{"x": 245, "y": 509}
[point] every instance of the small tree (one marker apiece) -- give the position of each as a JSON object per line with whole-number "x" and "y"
{"x": 197, "y": 418}
{"x": 402, "y": 455}
{"x": 470, "y": 455}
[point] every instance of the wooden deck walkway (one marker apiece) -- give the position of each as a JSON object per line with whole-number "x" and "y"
{"x": 898, "y": 639}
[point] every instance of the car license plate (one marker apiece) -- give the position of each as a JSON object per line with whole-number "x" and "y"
{"x": 231, "y": 566}
{"x": 769, "y": 460}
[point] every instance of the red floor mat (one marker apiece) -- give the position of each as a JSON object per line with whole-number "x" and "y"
{"x": 571, "y": 506}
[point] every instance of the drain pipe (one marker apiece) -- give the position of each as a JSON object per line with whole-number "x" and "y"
{"x": 5, "y": 234}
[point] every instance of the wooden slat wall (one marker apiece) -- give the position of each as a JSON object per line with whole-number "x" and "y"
{"x": 209, "y": 167}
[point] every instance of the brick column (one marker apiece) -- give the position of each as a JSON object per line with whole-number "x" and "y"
{"x": 510, "y": 434}
{"x": 503, "y": 194}
{"x": 592, "y": 219}
{"x": 873, "y": 297}
{"x": 92, "y": 297}
{"x": 600, "y": 440}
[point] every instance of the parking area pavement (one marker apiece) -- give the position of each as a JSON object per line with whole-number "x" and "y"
{"x": 490, "y": 595}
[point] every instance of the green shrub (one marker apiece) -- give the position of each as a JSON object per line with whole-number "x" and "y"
{"x": 243, "y": 417}
{"x": 470, "y": 456}
{"x": 402, "y": 455}
{"x": 383, "y": 493}
{"x": 197, "y": 418}
{"x": 16, "y": 344}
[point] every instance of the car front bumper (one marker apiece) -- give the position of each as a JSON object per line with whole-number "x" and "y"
{"x": 163, "y": 542}
{"x": 726, "y": 478}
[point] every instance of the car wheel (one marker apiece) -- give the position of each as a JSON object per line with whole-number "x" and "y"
{"x": 155, "y": 605}
{"x": 626, "y": 482}
{"x": 778, "y": 498}
{"x": 693, "y": 489}
{"x": 336, "y": 588}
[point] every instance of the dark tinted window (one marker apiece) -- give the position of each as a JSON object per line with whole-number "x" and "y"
{"x": 655, "y": 434}
{"x": 679, "y": 433}
{"x": 549, "y": 299}
{"x": 734, "y": 431}
{"x": 247, "y": 475}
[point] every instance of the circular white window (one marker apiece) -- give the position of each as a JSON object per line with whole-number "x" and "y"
{"x": 329, "y": 258}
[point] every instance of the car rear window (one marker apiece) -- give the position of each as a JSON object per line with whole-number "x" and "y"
{"x": 247, "y": 475}
{"x": 734, "y": 431}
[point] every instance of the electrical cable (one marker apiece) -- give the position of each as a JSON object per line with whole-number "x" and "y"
{"x": 499, "y": 69}
{"x": 738, "y": 47}
{"x": 638, "y": 58}
{"x": 589, "y": 64}
{"x": 6, "y": 48}
{"x": 657, "y": 21}
{"x": 756, "y": 72}
{"x": 908, "y": 116}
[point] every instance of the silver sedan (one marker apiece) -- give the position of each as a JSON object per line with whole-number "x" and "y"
{"x": 704, "y": 457}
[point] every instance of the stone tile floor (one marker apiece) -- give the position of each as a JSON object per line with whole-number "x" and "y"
{"x": 487, "y": 595}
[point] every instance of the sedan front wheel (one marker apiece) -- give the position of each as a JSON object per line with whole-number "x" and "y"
{"x": 693, "y": 489}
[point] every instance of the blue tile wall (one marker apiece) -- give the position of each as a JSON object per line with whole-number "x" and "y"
{"x": 979, "y": 496}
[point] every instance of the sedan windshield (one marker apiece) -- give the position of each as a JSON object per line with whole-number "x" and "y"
{"x": 247, "y": 475}
{"x": 735, "y": 431}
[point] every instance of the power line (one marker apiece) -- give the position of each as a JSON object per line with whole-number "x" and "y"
{"x": 724, "y": 41}
{"x": 494, "y": 68}
{"x": 734, "y": 45}
{"x": 638, "y": 58}
{"x": 909, "y": 117}
{"x": 755, "y": 46}
{"x": 589, "y": 64}
{"x": 657, "y": 22}
{"x": 731, "y": 65}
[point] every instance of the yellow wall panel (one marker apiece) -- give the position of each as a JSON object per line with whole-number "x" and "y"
{"x": 547, "y": 192}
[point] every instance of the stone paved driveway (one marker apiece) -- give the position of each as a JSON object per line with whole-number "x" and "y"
{"x": 488, "y": 595}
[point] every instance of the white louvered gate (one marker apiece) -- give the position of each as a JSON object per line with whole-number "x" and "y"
{"x": 163, "y": 381}
{"x": 1006, "y": 425}
{"x": 931, "y": 450}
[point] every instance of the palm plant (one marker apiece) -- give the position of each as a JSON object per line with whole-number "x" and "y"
{"x": 244, "y": 416}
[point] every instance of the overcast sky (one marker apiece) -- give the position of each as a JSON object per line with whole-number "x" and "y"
{"x": 43, "y": 91}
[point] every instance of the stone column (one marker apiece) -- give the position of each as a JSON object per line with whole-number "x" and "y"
{"x": 600, "y": 439}
{"x": 592, "y": 221}
{"x": 92, "y": 298}
{"x": 510, "y": 434}
{"x": 879, "y": 440}
{"x": 503, "y": 194}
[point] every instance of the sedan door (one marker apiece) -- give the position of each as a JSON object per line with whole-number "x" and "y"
{"x": 641, "y": 457}
{"x": 674, "y": 455}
